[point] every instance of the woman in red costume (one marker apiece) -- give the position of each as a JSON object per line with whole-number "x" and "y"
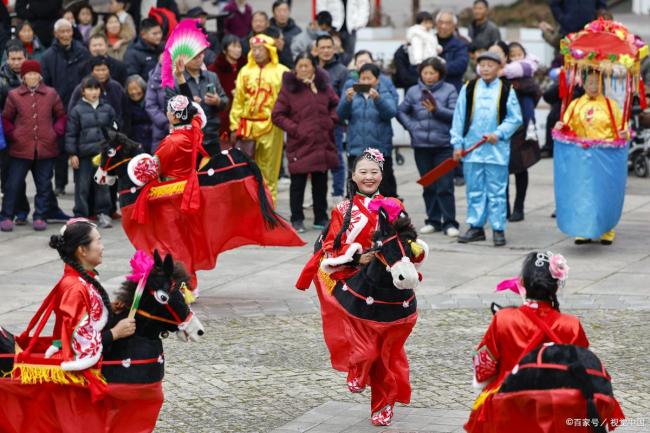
{"x": 365, "y": 337}
{"x": 175, "y": 214}
{"x": 514, "y": 332}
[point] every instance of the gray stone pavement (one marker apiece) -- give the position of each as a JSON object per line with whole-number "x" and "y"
{"x": 263, "y": 363}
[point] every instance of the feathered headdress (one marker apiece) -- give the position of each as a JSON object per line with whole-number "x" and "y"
{"x": 186, "y": 40}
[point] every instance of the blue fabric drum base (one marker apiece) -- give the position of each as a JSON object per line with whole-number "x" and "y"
{"x": 589, "y": 188}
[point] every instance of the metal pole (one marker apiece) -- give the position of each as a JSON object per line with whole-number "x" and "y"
{"x": 416, "y": 8}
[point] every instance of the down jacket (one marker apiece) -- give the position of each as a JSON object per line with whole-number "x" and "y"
{"x": 83, "y": 132}
{"x": 309, "y": 119}
{"x": 428, "y": 129}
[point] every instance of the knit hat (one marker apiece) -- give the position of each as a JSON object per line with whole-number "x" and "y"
{"x": 30, "y": 66}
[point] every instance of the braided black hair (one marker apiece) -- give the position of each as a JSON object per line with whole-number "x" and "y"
{"x": 75, "y": 235}
{"x": 538, "y": 281}
{"x": 352, "y": 190}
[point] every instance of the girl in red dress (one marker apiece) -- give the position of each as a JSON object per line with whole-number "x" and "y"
{"x": 514, "y": 332}
{"x": 365, "y": 334}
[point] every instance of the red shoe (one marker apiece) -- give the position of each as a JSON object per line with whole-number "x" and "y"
{"x": 354, "y": 385}
{"x": 384, "y": 416}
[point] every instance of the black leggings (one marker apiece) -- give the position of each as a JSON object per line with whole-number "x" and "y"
{"x": 521, "y": 184}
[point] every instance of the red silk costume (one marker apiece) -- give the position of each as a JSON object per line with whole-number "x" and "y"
{"x": 60, "y": 399}
{"x": 510, "y": 336}
{"x": 370, "y": 351}
{"x": 196, "y": 222}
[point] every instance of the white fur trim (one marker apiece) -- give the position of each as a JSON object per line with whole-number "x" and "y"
{"x": 476, "y": 384}
{"x": 81, "y": 364}
{"x": 51, "y": 351}
{"x": 330, "y": 264}
{"x": 201, "y": 113}
{"x": 133, "y": 163}
{"x": 425, "y": 247}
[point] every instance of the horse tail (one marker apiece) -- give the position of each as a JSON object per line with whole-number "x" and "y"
{"x": 271, "y": 218}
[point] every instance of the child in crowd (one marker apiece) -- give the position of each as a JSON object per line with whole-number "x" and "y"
{"x": 118, "y": 7}
{"x": 422, "y": 41}
{"x": 83, "y": 137}
{"x": 85, "y": 21}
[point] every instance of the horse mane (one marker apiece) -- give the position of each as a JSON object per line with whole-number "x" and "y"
{"x": 116, "y": 138}
{"x": 405, "y": 229}
{"x": 127, "y": 289}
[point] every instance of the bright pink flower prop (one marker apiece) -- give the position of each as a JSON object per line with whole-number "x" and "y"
{"x": 558, "y": 267}
{"x": 389, "y": 205}
{"x": 141, "y": 265}
{"x": 513, "y": 284}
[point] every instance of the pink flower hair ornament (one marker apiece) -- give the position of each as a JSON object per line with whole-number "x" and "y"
{"x": 374, "y": 155}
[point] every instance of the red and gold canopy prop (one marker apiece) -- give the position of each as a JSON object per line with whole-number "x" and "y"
{"x": 609, "y": 48}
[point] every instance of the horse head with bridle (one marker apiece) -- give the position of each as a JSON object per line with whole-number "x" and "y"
{"x": 119, "y": 152}
{"x": 384, "y": 289}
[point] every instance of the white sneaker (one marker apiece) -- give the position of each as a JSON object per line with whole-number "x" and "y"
{"x": 452, "y": 232}
{"x": 427, "y": 229}
{"x": 104, "y": 221}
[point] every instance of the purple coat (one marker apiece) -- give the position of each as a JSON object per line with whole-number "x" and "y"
{"x": 238, "y": 23}
{"x": 156, "y": 105}
{"x": 309, "y": 120}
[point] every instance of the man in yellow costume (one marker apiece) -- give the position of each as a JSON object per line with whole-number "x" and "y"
{"x": 256, "y": 91}
{"x": 594, "y": 117}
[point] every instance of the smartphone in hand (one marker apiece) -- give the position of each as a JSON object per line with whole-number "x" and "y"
{"x": 210, "y": 88}
{"x": 427, "y": 96}
{"x": 361, "y": 88}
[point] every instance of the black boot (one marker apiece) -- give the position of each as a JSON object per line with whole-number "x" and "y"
{"x": 474, "y": 234}
{"x": 499, "y": 238}
{"x": 517, "y": 215}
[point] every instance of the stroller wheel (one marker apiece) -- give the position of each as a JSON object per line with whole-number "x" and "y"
{"x": 641, "y": 168}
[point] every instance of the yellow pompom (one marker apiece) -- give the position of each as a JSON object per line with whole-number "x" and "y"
{"x": 416, "y": 249}
{"x": 97, "y": 159}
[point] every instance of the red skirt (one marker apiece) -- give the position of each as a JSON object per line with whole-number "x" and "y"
{"x": 541, "y": 411}
{"x": 372, "y": 352}
{"x": 56, "y": 408}
{"x": 229, "y": 217}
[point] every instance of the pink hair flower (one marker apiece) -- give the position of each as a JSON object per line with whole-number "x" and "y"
{"x": 558, "y": 267}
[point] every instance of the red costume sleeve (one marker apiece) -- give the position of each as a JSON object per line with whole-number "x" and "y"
{"x": 73, "y": 306}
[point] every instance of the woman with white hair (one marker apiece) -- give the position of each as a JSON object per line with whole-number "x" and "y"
{"x": 138, "y": 125}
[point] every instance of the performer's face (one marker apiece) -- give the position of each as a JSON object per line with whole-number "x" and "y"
{"x": 367, "y": 175}
{"x": 260, "y": 54}
{"x": 592, "y": 85}
{"x": 90, "y": 256}
{"x": 488, "y": 69}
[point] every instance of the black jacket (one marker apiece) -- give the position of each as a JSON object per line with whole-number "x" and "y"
{"x": 117, "y": 68}
{"x": 140, "y": 58}
{"x": 83, "y": 132}
{"x": 406, "y": 75}
{"x": 338, "y": 74}
{"x": 9, "y": 80}
{"x": 63, "y": 69}
{"x": 572, "y": 15}
{"x": 42, "y": 14}
{"x": 112, "y": 94}
{"x": 213, "y": 124}
{"x": 289, "y": 31}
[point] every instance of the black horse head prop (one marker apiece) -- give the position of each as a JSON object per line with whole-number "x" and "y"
{"x": 394, "y": 248}
{"x": 156, "y": 292}
{"x": 116, "y": 151}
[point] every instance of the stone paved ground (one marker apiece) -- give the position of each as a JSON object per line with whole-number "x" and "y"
{"x": 253, "y": 374}
{"x": 263, "y": 363}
